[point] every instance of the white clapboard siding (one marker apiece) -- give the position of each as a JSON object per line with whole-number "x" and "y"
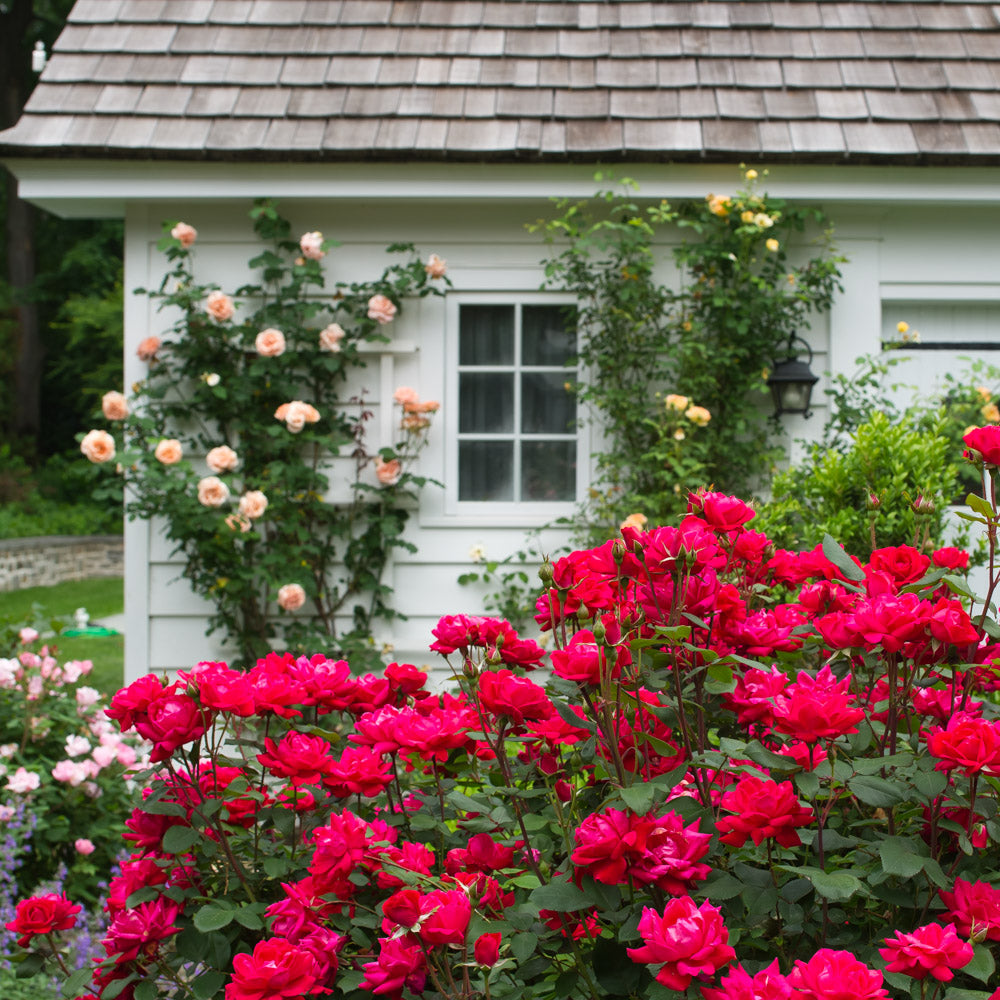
{"x": 898, "y": 255}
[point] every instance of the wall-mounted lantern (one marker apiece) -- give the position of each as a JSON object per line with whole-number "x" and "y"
{"x": 791, "y": 380}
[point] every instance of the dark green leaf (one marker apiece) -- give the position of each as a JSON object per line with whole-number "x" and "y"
{"x": 835, "y": 886}
{"x": 842, "y": 560}
{"x": 898, "y": 858}
{"x": 982, "y": 965}
{"x": 639, "y": 797}
{"x": 207, "y": 984}
{"x": 213, "y": 917}
{"x": 180, "y": 839}
{"x": 146, "y": 989}
{"x": 876, "y": 791}
{"x": 563, "y": 897}
{"x": 522, "y": 946}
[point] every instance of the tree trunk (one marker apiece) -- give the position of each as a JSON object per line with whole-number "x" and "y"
{"x": 28, "y": 348}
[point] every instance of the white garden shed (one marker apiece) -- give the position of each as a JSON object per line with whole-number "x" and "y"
{"x": 452, "y": 124}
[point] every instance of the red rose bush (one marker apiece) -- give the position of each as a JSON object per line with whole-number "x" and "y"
{"x": 726, "y": 771}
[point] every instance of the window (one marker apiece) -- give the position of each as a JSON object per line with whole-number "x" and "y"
{"x": 517, "y": 429}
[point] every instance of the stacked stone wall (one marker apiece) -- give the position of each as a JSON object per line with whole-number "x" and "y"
{"x": 38, "y": 562}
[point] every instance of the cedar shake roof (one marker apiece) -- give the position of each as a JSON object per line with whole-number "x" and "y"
{"x": 532, "y": 80}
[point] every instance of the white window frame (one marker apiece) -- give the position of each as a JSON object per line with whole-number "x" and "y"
{"x": 501, "y": 512}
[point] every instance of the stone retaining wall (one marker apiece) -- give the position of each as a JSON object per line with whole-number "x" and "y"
{"x": 38, "y": 562}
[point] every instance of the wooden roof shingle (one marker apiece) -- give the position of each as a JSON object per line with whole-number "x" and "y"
{"x": 869, "y": 81}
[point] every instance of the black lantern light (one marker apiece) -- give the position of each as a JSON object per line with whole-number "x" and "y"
{"x": 792, "y": 380}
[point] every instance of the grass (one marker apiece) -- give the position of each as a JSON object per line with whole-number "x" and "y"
{"x": 101, "y": 597}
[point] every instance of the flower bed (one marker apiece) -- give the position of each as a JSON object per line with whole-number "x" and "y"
{"x": 748, "y": 774}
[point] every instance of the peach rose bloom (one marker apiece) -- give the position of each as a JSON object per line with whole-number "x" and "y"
{"x": 270, "y": 343}
{"x": 718, "y": 204}
{"x": 169, "y": 451}
{"x": 114, "y": 406}
{"x": 147, "y": 349}
{"x": 311, "y": 245}
{"x": 430, "y": 406}
{"x": 296, "y": 414}
{"x": 404, "y": 394}
{"x": 436, "y": 267}
{"x": 98, "y": 446}
{"x": 253, "y": 503}
{"x": 185, "y": 234}
{"x": 219, "y": 306}
{"x": 222, "y": 459}
{"x": 388, "y": 473}
{"x": 237, "y": 522}
{"x": 291, "y": 597}
{"x": 414, "y": 422}
{"x": 676, "y": 402}
{"x": 698, "y": 415}
{"x": 635, "y": 521}
{"x": 330, "y": 338}
{"x": 381, "y": 309}
{"x": 212, "y": 491}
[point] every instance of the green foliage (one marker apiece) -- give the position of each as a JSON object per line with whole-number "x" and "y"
{"x": 708, "y": 339}
{"x": 329, "y": 526}
{"x": 890, "y": 486}
{"x": 884, "y": 473}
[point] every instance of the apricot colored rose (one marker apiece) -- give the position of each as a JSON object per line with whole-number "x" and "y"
{"x": 114, "y": 406}
{"x": 222, "y": 459}
{"x": 219, "y": 306}
{"x": 270, "y": 343}
{"x": 98, "y": 446}
{"x": 212, "y": 492}
{"x": 184, "y": 234}
{"x": 291, "y": 597}
{"x": 169, "y": 451}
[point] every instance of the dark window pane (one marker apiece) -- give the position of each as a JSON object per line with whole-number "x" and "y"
{"x": 548, "y": 470}
{"x": 485, "y": 402}
{"x": 486, "y": 470}
{"x": 486, "y": 335}
{"x": 544, "y": 337}
{"x": 546, "y": 405}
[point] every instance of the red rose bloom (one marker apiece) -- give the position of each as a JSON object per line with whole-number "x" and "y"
{"x": 171, "y": 721}
{"x": 974, "y": 909}
{"x": 503, "y": 693}
{"x": 815, "y": 708}
{"x": 685, "y": 941}
{"x": 277, "y": 970}
{"x": 985, "y": 440}
{"x": 42, "y": 915}
{"x": 486, "y": 950}
{"x": 968, "y": 744}
{"x": 738, "y": 984}
{"x": 763, "y": 808}
{"x": 835, "y": 975}
{"x": 931, "y": 950}
{"x": 303, "y": 759}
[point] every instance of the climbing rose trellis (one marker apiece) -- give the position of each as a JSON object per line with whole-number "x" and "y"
{"x": 741, "y": 773}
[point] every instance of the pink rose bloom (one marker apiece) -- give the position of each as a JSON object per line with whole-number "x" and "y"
{"x": 296, "y": 414}
{"x": 381, "y": 309}
{"x": 330, "y": 338}
{"x": 291, "y": 597}
{"x": 311, "y": 245}
{"x": 27, "y": 634}
{"x": 436, "y": 266}
{"x": 22, "y": 780}
{"x": 147, "y": 348}
{"x": 387, "y": 473}
{"x": 114, "y": 406}
{"x": 835, "y": 975}
{"x": 253, "y": 503}
{"x": 270, "y": 343}
{"x": 84, "y": 846}
{"x": 87, "y": 696}
{"x": 219, "y": 306}
{"x": 404, "y": 394}
{"x": 222, "y": 459}
{"x": 738, "y": 984}
{"x": 98, "y": 446}
{"x": 169, "y": 451}
{"x": 686, "y": 941}
{"x": 931, "y": 950}
{"x": 212, "y": 492}
{"x": 184, "y": 234}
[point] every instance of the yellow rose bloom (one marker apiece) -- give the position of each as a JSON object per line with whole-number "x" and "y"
{"x": 751, "y": 175}
{"x": 718, "y": 204}
{"x": 772, "y": 245}
{"x": 676, "y": 402}
{"x": 747, "y": 217}
{"x": 902, "y": 326}
{"x": 984, "y": 393}
{"x": 990, "y": 413}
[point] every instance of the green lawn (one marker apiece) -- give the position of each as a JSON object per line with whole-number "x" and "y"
{"x": 101, "y": 597}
